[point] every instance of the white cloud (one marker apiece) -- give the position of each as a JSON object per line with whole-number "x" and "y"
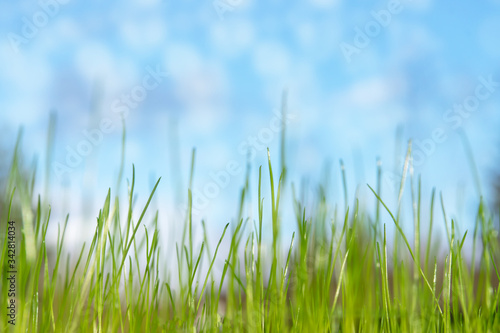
{"x": 24, "y": 80}
{"x": 422, "y": 5}
{"x": 95, "y": 60}
{"x": 307, "y": 157}
{"x": 306, "y": 34}
{"x": 232, "y": 38}
{"x": 199, "y": 85}
{"x": 144, "y": 33}
{"x": 27, "y": 111}
{"x": 488, "y": 36}
{"x": 67, "y": 29}
{"x": 372, "y": 92}
{"x": 272, "y": 59}
{"x": 135, "y": 149}
{"x": 325, "y": 3}
{"x": 183, "y": 59}
{"x": 146, "y": 3}
{"x": 367, "y": 108}
{"x": 411, "y": 41}
{"x": 204, "y": 120}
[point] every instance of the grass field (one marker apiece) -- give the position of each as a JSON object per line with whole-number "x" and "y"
{"x": 340, "y": 270}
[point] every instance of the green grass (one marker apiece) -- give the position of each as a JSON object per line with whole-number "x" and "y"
{"x": 338, "y": 272}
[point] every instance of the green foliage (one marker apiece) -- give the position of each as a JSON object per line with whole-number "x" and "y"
{"x": 336, "y": 273}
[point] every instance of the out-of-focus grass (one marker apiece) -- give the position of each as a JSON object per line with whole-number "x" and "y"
{"x": 340, "y": 271}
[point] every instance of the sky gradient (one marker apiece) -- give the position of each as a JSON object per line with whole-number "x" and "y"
{"x": 211, "y": 75}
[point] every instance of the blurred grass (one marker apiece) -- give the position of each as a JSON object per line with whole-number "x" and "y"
{"x": 339, "y": 270}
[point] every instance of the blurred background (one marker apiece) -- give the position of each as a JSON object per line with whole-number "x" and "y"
{"x": 359, "y": 78}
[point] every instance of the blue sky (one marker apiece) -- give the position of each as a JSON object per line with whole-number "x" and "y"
{"x": 226, "y": 73}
